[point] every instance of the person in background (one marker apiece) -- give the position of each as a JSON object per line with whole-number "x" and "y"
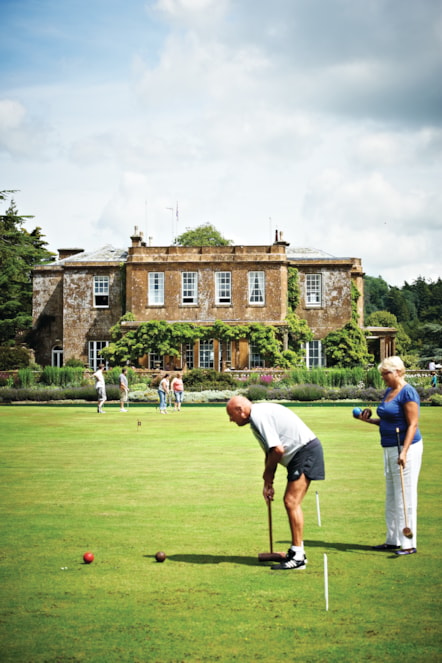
{"x": 432, "y": 365}
{"x": 178, "y": 390}
{"x": 124, "y": 389}
{"x": 100, "y": 387}
{"x": 398, "y": 416}
{"x": 434, "y": 380}
{"x": 286, "y": 440}
{"x": 163, "y": 390}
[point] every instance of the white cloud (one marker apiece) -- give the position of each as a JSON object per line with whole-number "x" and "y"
{"x": 320, "y": 119}
{"x": 21, "y": 136}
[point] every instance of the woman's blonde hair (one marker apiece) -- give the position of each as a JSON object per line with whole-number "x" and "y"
{"x": 392, "y": 364}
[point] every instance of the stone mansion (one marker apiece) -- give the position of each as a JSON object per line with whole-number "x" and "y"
{"x": 78, "y": 298}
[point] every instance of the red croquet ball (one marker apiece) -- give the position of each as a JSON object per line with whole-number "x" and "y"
{"x": 160, "y": 556}
{"x": 88, "y": 557}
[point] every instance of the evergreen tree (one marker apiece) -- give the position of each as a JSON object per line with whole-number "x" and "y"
{"x": 20, "y": 251}
{"x": 375, "y": 294}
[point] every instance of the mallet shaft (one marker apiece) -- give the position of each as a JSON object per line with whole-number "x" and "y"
{"x": 269, "y": 513}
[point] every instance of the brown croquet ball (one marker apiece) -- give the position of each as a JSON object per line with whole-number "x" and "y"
{"x": 160, "y": 556}
{"x": 368, "y": 412}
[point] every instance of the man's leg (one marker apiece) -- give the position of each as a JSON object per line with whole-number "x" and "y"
{"x": 294, "y": 494}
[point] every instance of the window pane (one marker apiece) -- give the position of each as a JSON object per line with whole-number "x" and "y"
{"x": 94, "y": 353}
{"x": 314, "y": 354}
{"x": 189, "y": 288}
{"x": 256, "y": 288}
{"x": 156, "y": 288}
{"x": 256, "y": 361}
{"x": 206, "y": 354}
{"x": 223, "y": 285}
{"x": 313, "y": 289}
{"x": 188, "y": 350}
{"x": 155, "y": 360}
{"x": 101, "y": 291}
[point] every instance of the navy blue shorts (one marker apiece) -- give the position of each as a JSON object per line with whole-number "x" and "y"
{"x": 309, "y": 460}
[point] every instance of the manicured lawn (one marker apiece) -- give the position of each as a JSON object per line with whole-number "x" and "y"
{"x": 190, "y": 484}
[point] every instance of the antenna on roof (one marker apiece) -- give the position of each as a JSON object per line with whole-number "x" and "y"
{"x": 145, "y": 218}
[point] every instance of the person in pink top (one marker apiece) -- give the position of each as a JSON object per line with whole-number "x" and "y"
{"x": 178, "y": 390}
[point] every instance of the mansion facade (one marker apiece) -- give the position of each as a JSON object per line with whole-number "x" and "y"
{"x": 78, "y": 298}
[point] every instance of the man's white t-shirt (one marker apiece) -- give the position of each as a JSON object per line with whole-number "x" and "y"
{"x": 275, "y": 425}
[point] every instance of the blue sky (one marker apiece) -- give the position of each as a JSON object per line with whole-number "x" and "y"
{"x": 320, "y": 118}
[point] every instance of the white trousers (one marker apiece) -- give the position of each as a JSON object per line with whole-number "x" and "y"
{"x": 394, "y": 505}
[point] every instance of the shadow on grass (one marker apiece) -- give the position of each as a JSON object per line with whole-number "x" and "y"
{"x": 212, "y": 559}
{"x": 343, "y": 547}
{"x": 254, "y": 561}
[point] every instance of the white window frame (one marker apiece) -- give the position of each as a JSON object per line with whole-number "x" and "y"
{"x": 255, "y": 358}
{"x": 313, "y": 290}
{"x": 206, "y": 354}
{"x": 257, "y": 287}
{"x": 101, "y": 289}
{"x": 155, "y": 289}
{"x": 223, "y": 288}
{"x": 189, "y": 288}
{"x": 155, "y": 358}
{"x": 189, "y": 356}
{"x": 57, "y": 356}
{"x": 314, "y": 354}
{"x": 228, "y": 352}
{"x": 94, "y": 353}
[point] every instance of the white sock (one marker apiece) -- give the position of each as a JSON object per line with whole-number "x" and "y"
{"x": 299, "y": 551}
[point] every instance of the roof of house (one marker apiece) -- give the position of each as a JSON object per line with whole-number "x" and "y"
{"x": 300, "y": 253}
{"x": 106, "y": 253}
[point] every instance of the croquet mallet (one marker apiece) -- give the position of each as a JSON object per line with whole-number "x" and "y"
{"x": 270, "y": 556}
{"x": 406, "y": 531}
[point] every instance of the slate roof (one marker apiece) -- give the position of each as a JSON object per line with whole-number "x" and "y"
{"x": 106, "y": 253}
{"x": 306, "y": 253}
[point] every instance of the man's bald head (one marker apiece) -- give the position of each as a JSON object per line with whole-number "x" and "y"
{"x": 239, "y": 409}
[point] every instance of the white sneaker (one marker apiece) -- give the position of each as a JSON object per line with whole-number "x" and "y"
{"x": 291, "y": 563}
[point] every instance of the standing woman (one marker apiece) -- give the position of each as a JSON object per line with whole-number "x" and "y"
{"x": 399, "y": 409}
{"x": 163, "y": 390}
{"x": 177, "y": 387}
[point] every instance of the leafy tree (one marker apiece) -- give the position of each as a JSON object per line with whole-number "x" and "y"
{"x": 396, "y": 303}
{"x": 423, "y": 296}
{"x": 375, "y": 293}
{"x": 20, "y": 251}
{"x": 166, "y": 338}
{"x": 387, "y": 319}
{"x": 431, "y": 341}
{"x": 347, "y": 347}
{"x": 156, "y": 336}
{"x": 299, "y": 333}
{"x": 205, "y": 235}
{"x": 264, "y": 339}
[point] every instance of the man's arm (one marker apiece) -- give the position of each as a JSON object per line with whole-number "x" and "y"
{"x": 272, "y": 459}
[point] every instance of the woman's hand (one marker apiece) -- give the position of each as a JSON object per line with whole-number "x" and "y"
{"x": 402, "y": 458}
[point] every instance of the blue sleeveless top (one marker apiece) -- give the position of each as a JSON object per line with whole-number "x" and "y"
{"x": 392, "y": 416}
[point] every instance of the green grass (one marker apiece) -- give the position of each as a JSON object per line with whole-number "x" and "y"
{"x": 190, "y": 484}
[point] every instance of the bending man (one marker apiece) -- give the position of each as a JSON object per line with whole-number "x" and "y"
{"x": 285, "y": 439}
